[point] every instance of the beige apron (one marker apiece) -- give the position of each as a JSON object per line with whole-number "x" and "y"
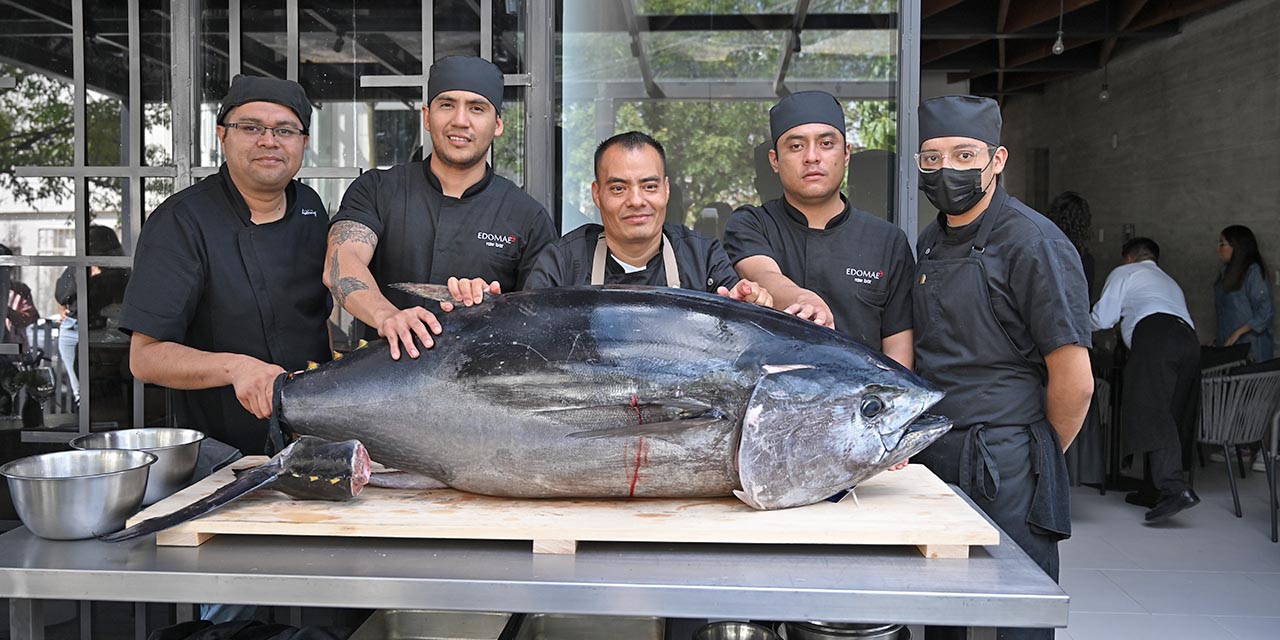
{"x": 668, "y": 262}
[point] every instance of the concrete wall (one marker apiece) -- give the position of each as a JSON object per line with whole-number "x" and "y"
{"x": 1188, "y": 144}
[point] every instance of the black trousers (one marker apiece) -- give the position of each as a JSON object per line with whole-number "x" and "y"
{"x": 1161, "y": 399}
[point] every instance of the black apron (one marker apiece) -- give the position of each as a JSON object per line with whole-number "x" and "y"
{"x": 1015, "y": 473}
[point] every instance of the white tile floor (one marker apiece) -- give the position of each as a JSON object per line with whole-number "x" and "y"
{"x": 1205, "y": 575}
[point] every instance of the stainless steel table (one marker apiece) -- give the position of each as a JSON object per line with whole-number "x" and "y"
{"x": 995, "y": 586}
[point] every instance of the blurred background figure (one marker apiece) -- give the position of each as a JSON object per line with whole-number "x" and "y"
{"x": 1070, "y": 211}
{"x": 1241, "y": 296}
{"x": 106, "y": 285}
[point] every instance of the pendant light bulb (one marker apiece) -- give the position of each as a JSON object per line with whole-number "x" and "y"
{"x": 1105, "y": 94}
{"x": 1058, "y": 47}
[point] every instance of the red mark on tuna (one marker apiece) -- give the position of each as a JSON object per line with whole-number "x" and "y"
{"x": 635, "y": 405}
{"x": 642, "y": 458}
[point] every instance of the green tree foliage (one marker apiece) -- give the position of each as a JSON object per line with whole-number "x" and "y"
{"x": 37, "y": 129}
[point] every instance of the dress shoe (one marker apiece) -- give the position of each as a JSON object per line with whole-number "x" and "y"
{"x": 1170, "y": 505}
{"x": 1142, "y": 498}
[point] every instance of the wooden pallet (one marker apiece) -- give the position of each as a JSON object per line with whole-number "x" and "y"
{"x": 908, "y": 507}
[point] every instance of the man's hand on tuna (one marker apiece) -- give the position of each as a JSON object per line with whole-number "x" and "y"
{"x": 401, "y": 326}
{"x": 470, "y": 291}
{"x": 811, "y": 307}
{"x": 748, "y": 291}
{"x": 254, "y": 382}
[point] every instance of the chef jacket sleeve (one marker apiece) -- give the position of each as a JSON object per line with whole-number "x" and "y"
{"x": 541, "y": 232}
{"x": 1048, "y": 282}
{"x": 897, "y": 308}
{"x": 548, "y": 269}
{"x": 168, "y": 279}
{"x": 720, "y": 271}
{"x": 744, "y": 236}
{"x": 360, "y": 203}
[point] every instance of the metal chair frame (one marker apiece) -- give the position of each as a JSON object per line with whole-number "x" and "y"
{"x": 1237, "y": 410}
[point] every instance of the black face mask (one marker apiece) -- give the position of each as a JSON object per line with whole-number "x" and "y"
{"x": 953, "y": 191}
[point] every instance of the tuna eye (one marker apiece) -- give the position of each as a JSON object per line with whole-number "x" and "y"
{"x": 872, "y": 406}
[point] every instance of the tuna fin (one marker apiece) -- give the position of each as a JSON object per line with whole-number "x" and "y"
{"x": 437, "y": 292}
{"x": 362, "y": 343}
{"x": 245, "y": 482}
{"x": 657, "y": 429}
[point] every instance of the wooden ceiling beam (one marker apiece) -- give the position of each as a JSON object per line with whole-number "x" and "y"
{"x": 1029, "y": 13}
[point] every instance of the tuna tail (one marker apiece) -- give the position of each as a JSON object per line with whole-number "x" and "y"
{"x": 255, "y": 478}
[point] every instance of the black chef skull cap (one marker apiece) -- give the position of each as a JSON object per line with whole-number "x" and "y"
{"x": 805, "y": 107}
{"x": 962, "y": 117}
{"x": 466, "y": 73}
{"x": 246, "y": 89}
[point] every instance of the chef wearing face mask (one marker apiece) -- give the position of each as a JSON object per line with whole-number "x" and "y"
{"x": 1001, "y": 320}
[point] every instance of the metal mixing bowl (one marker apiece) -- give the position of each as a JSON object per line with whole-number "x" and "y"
{"x": 177, "y": 450}
{"x": 727, "y": 630}
{"x": 70, "y": 495}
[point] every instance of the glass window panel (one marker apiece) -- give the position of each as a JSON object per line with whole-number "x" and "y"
{"x": 28, "y": 384}
{"x": 853, "y": 6}
{"x": 36, "y": 126}
{"x": 30, "y": 208}
{"x": 714, "y": 89}
{"x": 154, "y": 192}
{"x": 212, "y": 69}
{"x": 106, "y": 74}
{"x": 856, "y": 54}
{"x": 714, "y": 54}
{"x": 111, "y": 383}
{"x": 108, "y": 202}
{"x": 509, "y": 35}
{"x": 157, "y": 84}
{"x": 508, "y": 148}
{"x": 457, "y": 28}
{"x": 707, "y": 7}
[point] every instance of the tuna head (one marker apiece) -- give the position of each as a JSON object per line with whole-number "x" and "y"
{"x": 811, "y": 431}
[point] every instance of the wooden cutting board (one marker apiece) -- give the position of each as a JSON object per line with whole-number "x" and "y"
{"x": 908, "y": 507}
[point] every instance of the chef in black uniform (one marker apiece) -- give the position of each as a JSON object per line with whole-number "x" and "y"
{"x": 1001, "y": 319}
{"x": 636, "y": 245}
{"x": 226, "y": 291}
{"x": 429, "y": 221}
{"x": 821, "y": 258}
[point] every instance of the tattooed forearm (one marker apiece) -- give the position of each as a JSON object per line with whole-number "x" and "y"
{"x": 342, "y": 286}
{"x": 345, "y": 231}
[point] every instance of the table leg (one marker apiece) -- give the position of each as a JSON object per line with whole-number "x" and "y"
{"x": 26, "y": 618}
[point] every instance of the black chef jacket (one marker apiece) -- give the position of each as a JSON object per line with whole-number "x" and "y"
{"x": 205, "y": 276}
{"x": 567, "y": 262}
{"x": 494, "y": 231}
{"x": 859, "y": 264}
{"x": 1038, "y": 296}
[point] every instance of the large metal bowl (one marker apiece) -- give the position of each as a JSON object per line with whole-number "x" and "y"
{"x": 729, "y": 630}
{"x": 177, "y": 451}
{"x": 70, "y": 495}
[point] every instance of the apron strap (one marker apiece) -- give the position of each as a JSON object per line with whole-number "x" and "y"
{"x": 988, "y": 222}
{"x": 668, "y": 262}
{"x": 977, "y": 464}
{"x": 597, "y": 264}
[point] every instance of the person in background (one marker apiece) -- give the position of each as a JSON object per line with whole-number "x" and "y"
{"x": 21, "y": 309}
{"x": 1241, "y": 296}
{"x": 1070, "y": 211}
{"x": 107, "y": 287}
{"x": 1161, "y": 376}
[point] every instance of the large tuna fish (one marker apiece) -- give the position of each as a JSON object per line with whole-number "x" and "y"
{"x": 624, "y": 391}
